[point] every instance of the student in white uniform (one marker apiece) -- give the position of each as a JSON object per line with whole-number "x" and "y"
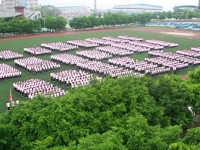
{"x": 8, "y": 105}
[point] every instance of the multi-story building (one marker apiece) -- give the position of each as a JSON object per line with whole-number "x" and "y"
{"x": 74, "y": 11}
{"x": 137, "y": 8}
{"x": 8, "y": 5}
{"x": 9, "y": 9}
{"x": 184, "y": 8}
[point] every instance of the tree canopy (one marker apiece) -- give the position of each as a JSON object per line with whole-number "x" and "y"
{"x": 112, "y": 19}
{"x": 24, "y": 25}
{"x": 126, "y": 113}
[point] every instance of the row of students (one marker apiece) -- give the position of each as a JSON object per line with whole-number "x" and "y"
{"x": 33, "y": 87}
{"x": 8, "y": 55}
{"x": 59, "y": 46}
{"x": 37, "y": 50}
{"x": 7, "y": 72}
{"x": 94, "y": 54}
{"x": 33, "y": 64}
{"x": 83, "y": 43}
{"x": 115, "y": 50}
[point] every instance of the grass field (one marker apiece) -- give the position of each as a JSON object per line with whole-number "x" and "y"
{"x": 19, "y": 44}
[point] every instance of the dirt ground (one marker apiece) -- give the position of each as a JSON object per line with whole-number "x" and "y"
{"x": 172, "y": 31}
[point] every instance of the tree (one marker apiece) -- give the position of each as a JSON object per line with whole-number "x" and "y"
{"x": 108, "y": 140}
{"x": 175, "y": 96}
{"x": 195, "y": 75}
{"x": 4, "y": 27}
{"x": 192, "y": 137}
{"x": 15, "y": 25}
{"x": 61, "y": 23}
{"x": 49, "y": 11}
{"x": 124, "y": 113}
{"x": 182, "y": 146}
{"x": 56, "y": 23}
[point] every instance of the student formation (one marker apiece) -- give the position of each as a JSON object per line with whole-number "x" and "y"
{"x": 108, "y": 56}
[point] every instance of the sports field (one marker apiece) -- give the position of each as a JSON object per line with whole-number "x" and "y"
{"x": 18, "y": 45}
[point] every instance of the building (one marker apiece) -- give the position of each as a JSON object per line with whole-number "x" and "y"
{"x": 137, "y": 8}
{"x": 8, "y": 5}
{"x": 74, "y": 11}
{"x": 15, "y": 8}
{"x": 199, "y": 5}
{"x": 185, "y": 8}
{"x": 7, "y": 14}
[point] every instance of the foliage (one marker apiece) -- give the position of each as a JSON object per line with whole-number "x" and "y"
{"x": 124, "y": 113}
{"x": 195, "y": 76}
{"x": 57, "y": 23}
{"x": 192, "y": 137}
{"x": 49, "y": 11}
{"x": 23, "y": 25}
{"x": 110, "y": 19}
{"x": 107, "y": 141}
{"x": 175, "y": 95}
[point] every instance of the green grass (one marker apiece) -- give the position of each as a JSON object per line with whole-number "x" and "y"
{"x": 19, "y": 44}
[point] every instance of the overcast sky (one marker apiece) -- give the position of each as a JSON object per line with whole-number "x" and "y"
{"x": 108, "y": 4}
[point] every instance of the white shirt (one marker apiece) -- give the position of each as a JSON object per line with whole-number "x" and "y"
{"x": 8, "y": 105}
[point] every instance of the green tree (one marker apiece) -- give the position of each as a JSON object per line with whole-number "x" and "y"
{"x": 174, "y": 95}
{"x": 195, "y": 75}
{"x": 192, "y": 137}
{"x": 4, "y": 27}
{"x": 182, "y": 146}
{"x": 107, "y": 141}
{"x": 49, "y": 11}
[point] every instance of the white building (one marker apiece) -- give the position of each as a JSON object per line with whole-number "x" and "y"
{"x": 74, "y": 11}
{"x": 8, "y": 9}
{"x": 8, "y": 5}
{"x": 137, "y": 8}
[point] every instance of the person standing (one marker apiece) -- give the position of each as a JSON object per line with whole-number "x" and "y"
{"x": 17, "y": 102}
{"x": 8, "y": 105}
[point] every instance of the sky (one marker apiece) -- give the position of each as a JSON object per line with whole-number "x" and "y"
{"x": 108, "y": 4}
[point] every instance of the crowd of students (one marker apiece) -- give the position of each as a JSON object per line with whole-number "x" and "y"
{"x": 115, "y": 40}
{"x": 7, "y": 72}
{"x": 161, "y": 53}
{"x": 103, "y": 69}
{"x": 162, "y": 43}
{"x": 91, "y": 66}
{"x": 130, "y": 38}
{"x": 33, "y": 64}
{"x": 147, "y": 45}
{"x": 172, "y": 64}
{"x": 59, "y": 46}
{"x": 33, "y": 87}
{"x": 68, "y": 59}
{"x": 8, "y": 55}
{"x": 99, "y": 41}
{"x": 83, "y": 43}
{"x": 197, "y": 49}
{"x": 72, "y": 78}
{"x": 143, "y": 67}
{"x": 37, "y": 50}
{"x": 115, "y": 50}
{"x": 159, "y": 62}
{"x": 195, "y": 54}
{"x": 131, "y": 47}
{"x": 176, "y": 57}
{"x": 123, "y": 62}
{"x": 94, "y": 54}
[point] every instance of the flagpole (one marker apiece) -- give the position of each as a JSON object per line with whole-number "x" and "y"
{"x": 10, "y": 98}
